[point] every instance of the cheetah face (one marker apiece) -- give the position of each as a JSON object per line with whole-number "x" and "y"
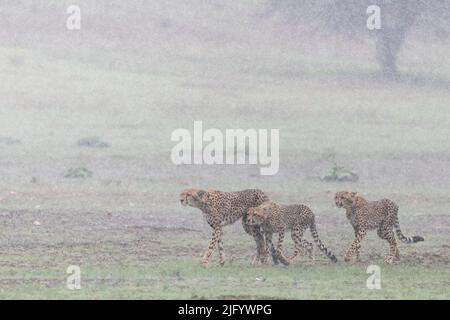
{"x": 255, "y": 216}
{"x": 344, "y": 198}
{"x": 258, "y": 215}
{"x": 191, "y": 197}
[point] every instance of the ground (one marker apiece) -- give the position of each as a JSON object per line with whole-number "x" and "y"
{"x": 123, "y": 225}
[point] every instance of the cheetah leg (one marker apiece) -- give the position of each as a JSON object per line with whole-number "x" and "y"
{"x": 256, "y": 233}
{"x": 296, "y": 235}
{"x": 270, "y": 247}
{"x": 360, "y": 234}
{"x": 220, "y": 248}
{"x": 261, "y": 255}
{"x": 212, "y": 245}
{"x": 264, "y": 257}
{"x": 389, "y": 236}
{"x": 397, "y": 255}
{"x": 357, "y": 251}
{"x": 302, "y": 243}
{"x": 261, "y": 248}
{"x": 279, "y": 250}
{"x": 393, "y": 250}
{"x": 310, "y": 248}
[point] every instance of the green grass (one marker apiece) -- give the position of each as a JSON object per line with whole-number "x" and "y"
{"x": 183, "y": 278}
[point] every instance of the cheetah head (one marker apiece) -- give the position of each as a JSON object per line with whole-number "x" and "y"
{"x": 345, "y": 199}
{"x": 192, "y": 197}
{"x": 258, "y": 215}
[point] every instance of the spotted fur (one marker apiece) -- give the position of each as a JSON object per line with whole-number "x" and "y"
{"x": 381, "y": 215}
{"x": 277, "y": 218}
{"x": 224, "y": 208}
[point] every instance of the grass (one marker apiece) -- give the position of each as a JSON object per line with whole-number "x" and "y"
{"x": 183, "y": 278}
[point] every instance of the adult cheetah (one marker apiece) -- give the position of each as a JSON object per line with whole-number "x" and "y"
{"x": 278, "y": 218}
{"x": 224, "y": 208}
{"x": 369, "y": 215}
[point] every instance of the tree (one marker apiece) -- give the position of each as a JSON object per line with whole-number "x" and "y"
{"x": 348, "y": 18}
{"x": 397, "y": 17}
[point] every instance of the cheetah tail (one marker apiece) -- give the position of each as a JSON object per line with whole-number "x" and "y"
{"x": 402, "y": 237}
{"x": 319, "y": 243}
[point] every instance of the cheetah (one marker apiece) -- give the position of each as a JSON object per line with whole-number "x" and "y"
{"x": 224, "y": 208}
{"x": 278, "y": 218}
{"x": 370, "y": 215}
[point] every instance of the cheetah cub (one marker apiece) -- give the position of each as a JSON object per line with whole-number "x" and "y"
{"x": 278, "y": 218}
{"x": 364, "y": 216}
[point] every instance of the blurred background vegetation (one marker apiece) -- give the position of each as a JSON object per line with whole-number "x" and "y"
{"x": 144, "y": 25}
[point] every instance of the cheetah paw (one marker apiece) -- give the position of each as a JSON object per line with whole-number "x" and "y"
{"x": 389, "y": 260}
{"x": 205, "y": 264}
{"x": 311, "y": 262}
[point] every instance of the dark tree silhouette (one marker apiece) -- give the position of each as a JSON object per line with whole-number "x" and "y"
{"x": 397, "y": 17}
{"x": 349, "y": 17}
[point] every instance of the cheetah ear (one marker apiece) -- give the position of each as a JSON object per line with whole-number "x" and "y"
{"x": 265, "y": 212}
{"x": 199, "y": 194}
{"x": 354, "y": 194}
